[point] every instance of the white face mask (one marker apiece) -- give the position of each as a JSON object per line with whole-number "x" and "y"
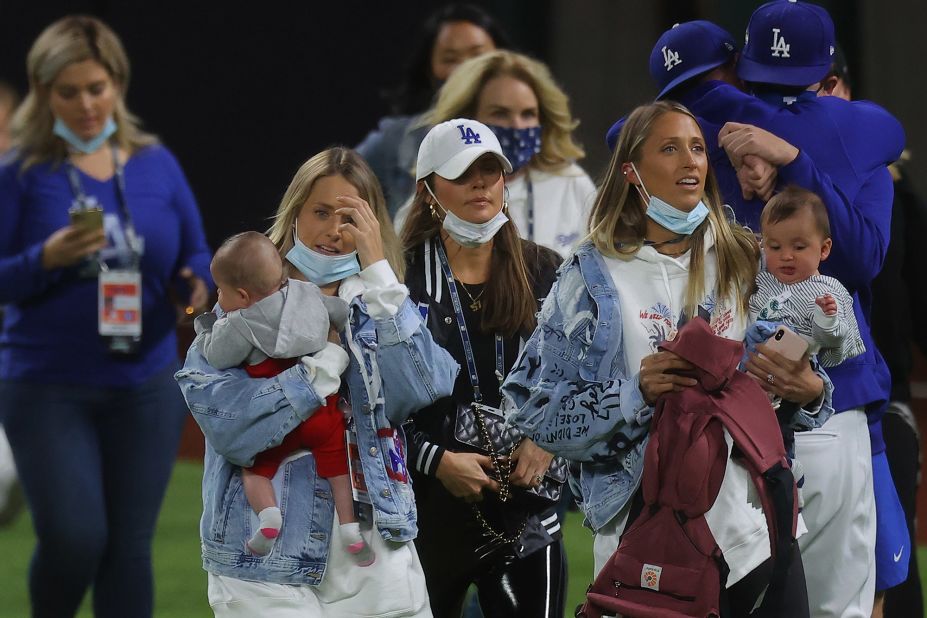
{"x": 468, "y": 234}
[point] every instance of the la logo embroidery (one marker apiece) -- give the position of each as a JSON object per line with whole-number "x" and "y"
{"x": 650, "y": 577}
{"x": 670, "y": 58}
{"x": 780, "y": 49}
{"x": 468, "y": 135}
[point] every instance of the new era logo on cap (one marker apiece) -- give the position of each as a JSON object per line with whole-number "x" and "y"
{"x": 452, "y": 146}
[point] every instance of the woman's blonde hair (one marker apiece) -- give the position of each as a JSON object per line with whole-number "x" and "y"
{"x": 337, "y": 161}
{"x": 75, "y": 38}
{"x": 618, "y": 222}
{"x": 459, "y": 97}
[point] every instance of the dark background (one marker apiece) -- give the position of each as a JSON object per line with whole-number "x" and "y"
{"x": 244, "y": 95}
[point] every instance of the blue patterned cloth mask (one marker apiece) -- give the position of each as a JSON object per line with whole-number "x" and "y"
{"x": 518, "y": 145}
{"x": 667, "y": 215}
{"x": 85, "y": 146}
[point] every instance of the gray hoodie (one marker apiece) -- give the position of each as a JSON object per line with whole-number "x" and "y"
{"x": 291, "y": 322}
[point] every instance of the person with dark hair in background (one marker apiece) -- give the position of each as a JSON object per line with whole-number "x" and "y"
{"x": 477, "y": 284}
{"x": 898, "y": 294}
{"x": 99, "y": 225}
{"x": 449, "y": 36}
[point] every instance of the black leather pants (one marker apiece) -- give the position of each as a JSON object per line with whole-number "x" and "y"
{"x": 455, "y": 554}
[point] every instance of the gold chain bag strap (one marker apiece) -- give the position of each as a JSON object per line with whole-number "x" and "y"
{"x": 480, "y": 428}
{"x": 483, "y": 429}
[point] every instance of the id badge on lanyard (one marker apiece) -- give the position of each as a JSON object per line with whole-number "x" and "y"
{"x": 355, "y": 468}
{"x": 120, "y": 303}
{"x": 119, "y": 297}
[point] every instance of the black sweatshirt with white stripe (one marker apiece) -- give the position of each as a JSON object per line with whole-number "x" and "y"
{"x": 430, "y": 431}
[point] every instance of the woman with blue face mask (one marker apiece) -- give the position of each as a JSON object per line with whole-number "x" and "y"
{"x": 477, "y": 285}
{"x": 515, "y": 96}
{"x": 332, "y": 230}
{"x": 661, "y": 252}
{"x": 99, "y": 226}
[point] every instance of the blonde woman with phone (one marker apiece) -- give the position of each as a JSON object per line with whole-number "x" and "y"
{"x": 98, "y": 225}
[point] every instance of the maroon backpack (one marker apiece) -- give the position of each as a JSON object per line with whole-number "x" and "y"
{"x": 668, "y": 564}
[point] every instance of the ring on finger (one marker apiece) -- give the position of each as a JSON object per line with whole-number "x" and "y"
{"x": 538, "y": 479}
{"x": 770, "y": 378}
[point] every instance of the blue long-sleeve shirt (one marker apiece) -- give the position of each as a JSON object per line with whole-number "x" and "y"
{"x": 845, "y": 147}
{"x": 50, "y": 330}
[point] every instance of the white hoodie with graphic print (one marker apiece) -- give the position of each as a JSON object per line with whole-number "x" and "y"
{"x": 651, "y": 294}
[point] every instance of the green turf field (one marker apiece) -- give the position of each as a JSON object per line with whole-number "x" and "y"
{"x": 179, "y": 579}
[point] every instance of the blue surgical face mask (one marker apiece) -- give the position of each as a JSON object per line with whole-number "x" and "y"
{"x": 85, "y": 146}
{"x": 668, "y": 216}
{"x": 468, "y": 234}
{"x": 518, "y": 145}
{"x": 318, "y": 268}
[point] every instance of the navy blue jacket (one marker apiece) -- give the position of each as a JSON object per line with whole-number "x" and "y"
{"x": 845, "y": 147}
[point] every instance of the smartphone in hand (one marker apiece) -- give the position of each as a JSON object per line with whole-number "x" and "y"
{"x": 785, "y": 342}
{"x": 87, "y": 218}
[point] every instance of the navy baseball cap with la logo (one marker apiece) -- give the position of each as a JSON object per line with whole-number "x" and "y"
{"x": 789, "y": 43}
{"x": 688, "y": 49}
{"x": 453, "y": 145}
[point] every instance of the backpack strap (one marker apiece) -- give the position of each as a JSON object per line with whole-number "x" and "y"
{"x": 781, "y": 510}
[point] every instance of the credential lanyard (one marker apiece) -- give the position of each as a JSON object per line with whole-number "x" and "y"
{"x": 464, "y": 333}
{"x": 78, "y": 190}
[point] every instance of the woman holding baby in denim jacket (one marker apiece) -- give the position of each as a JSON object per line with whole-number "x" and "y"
{"x": 333, "y": 230}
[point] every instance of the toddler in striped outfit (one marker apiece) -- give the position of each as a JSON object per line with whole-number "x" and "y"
{"x": 796, "y": 239}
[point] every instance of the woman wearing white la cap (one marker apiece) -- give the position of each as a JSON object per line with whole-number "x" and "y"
{"x": 477, "y": 285}
{"x": 550, "y": 195}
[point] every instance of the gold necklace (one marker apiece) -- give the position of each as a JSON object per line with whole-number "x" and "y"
{"x": 475, "y": 303}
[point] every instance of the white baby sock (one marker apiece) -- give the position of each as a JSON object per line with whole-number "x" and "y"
{"x": 355, "y": 544}
{"x": 265, "y": 536}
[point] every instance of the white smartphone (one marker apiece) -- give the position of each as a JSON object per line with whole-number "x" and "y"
{"x": 785, "y": 342}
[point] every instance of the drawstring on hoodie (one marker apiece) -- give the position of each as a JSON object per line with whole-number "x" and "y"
{"x": 666, "y": 287}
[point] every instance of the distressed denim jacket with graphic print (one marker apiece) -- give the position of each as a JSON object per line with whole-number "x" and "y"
{"x": 404, "y": 371}
{"x": 571, "y": 392}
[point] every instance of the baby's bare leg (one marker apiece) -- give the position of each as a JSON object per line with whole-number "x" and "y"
{"x": 344, "y": 499}
{"x": 260, "y": 494}
{"x": 259, "y": 490}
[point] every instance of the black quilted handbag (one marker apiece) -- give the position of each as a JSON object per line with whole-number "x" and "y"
{"x": 503, "y": 440}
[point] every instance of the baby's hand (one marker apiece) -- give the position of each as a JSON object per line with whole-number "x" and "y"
{"x": 827, "y": 303}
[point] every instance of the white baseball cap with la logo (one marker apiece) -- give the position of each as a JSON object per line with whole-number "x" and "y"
{"x": 452, "y": 146}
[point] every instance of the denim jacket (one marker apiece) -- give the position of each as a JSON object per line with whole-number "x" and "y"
{"x": 571, "y": 392}
{"x": 404, "y": 371}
